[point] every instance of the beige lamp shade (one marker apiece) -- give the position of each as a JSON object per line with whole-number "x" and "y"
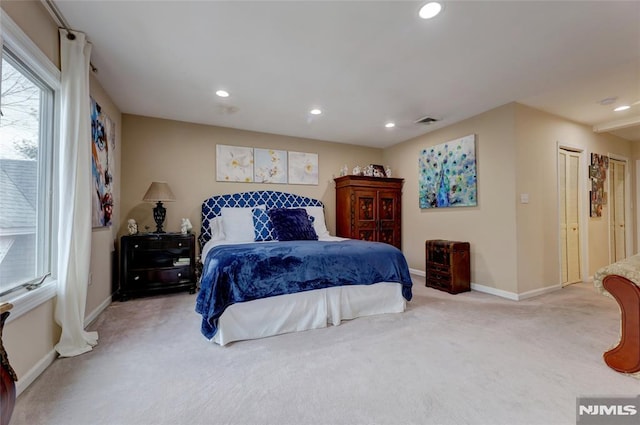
{"x": 159, "y": 191}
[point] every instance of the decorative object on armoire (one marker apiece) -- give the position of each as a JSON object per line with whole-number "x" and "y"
{"x": 185, "y": 226}
{"x": 369, "y": 208}
{"x": 378, "y": 170}
{"x": 344, "y": 170}
{"x": 368, "y": 171}
{"x": 132, "y": 226}
{"x": 103, "y": 138}
{"x": 8, "y": 376}
{"x": 357, "y": 171}
{"x": 597, "y": 175}
{"x": 447, "y": 174}
{"x": 159, "y": 192}
{"x": 387, "y": 171}
{"x": 448, "y": 265}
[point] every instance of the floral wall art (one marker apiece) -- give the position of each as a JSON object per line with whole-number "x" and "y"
{"x": 447, "y": 174}
{"x": 303, "y": 168}
{"x": 234, "y": 164}
{"x": 103, "y": 145}
{"x": 270, "y": 166}
{"x": 256, "y": 165}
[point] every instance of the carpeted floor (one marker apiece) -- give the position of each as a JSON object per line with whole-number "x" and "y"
{"x": 469, "y": 358}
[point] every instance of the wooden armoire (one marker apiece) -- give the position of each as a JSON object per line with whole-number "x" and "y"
{"x": 369, "y": 208}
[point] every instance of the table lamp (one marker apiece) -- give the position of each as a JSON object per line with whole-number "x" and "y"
{"x": 158, "y": 192}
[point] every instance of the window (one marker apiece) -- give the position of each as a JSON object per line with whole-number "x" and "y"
{"x": 27, "y": 139}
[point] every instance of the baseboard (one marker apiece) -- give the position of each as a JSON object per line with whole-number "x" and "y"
{"x": 537, "y": 292}
{"x": 417, "y": 272}
{"x": 499, "y": 292}
{"x": 96, "y": 312}
{"x": 33, "y": 373}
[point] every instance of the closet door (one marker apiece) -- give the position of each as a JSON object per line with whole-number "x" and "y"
{"x": 617, "y": 189}
{"x": 568, "y": 178}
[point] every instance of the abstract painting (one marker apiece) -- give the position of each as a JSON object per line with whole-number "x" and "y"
{"x": 270, "y": 166}
{"x": 103, "y": 144}
{"x": 303, "y": 168}
{"x": 234, "y": 164}
{"x": 447, "y": 174}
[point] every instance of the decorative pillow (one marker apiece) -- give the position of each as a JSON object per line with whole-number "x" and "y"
{"x": 237, "y": 223}
{"x": 317, "y": 214}
{"x": 215, "y": 226}
{"x": 292, "y": 224}
{"x": 262, "y": 226}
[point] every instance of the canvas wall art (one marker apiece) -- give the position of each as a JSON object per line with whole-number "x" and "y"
{"x": 597, "y": 175}
{"x": 303, "y": 168}
{"x": 234, "y": 164}
{"x": 447, "y": 174}
{"x": 270, "y": 166}
{"x": 103, "y": 145}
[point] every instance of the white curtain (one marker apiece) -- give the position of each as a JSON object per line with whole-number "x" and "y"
{"x": 74, "y": 224}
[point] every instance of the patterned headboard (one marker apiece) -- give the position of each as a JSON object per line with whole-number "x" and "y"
{"x": 269, "y": 198}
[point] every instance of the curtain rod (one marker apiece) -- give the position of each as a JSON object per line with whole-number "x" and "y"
{"x": 61, "y": 22}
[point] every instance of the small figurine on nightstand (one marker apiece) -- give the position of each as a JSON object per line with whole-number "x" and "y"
{"x": 132, "y": 226}
{"x": 186, "y": 226}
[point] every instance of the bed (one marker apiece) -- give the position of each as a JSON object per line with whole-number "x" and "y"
{"x": 269, "y": 266}
{"x": 621, "y": 281}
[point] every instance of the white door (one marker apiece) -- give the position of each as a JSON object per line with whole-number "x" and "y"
{"x": 569, "y": 177}
{"x": 617, "y": 208}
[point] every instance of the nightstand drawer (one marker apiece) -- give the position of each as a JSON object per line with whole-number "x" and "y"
{"x": 163, "y": 275}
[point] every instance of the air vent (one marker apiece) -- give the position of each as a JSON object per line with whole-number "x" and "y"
{"x": 426, "y": 120}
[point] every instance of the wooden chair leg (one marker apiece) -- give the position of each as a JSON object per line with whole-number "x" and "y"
{"x": 625, "y": 357}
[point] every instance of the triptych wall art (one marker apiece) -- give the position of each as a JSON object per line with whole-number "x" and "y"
{"x": 597, "y": 175}
{"x": 447, "y": 174}
{"x": 103, "y": 145}
{"x": 255, "y": 165}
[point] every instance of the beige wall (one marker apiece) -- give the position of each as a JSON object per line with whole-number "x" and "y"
{"x": 490, "y": 227}
{"x": 184, "y": 155}
{"x": 538, "y": 135}
{"x": 29, "y": 339}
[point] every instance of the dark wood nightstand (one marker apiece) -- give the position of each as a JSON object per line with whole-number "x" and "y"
{"x": 448, "y": 265}
{"x": 157, "y": 262}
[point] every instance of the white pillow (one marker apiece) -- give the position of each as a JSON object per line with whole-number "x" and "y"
{"x": 237, "y": 223}
{"x": 318, "y": 220}
{"x": 215, "y": 227}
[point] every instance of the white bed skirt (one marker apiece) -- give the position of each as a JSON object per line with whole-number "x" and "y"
{"x": 307, "y": 310}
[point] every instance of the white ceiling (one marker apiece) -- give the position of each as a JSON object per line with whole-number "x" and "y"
{"x": 363, "y": 62}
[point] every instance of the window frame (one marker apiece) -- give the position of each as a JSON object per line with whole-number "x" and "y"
{"x": 28, "y": 53}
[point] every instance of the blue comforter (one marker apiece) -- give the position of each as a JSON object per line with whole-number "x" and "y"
{"x": 237, "y": 273}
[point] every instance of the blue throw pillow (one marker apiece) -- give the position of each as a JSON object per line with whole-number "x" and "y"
{"x": 262, "y": 227}
{"x": 292, "y": 224}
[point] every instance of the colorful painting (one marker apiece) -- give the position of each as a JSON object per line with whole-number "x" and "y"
{"x": 103, "y": 145}
{"x": 447, "y": 174}
{"x": 270, "y": 166}
{"x": 234, "y": 164}
{"x": 597, "y": 175}
{"x": 303, "y": 168}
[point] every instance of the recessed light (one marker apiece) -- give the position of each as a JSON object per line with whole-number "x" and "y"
{"x": 390, "y": 125}
{"x": 315, "y": 111}
{"x": 622, "y": 108}
{"x": 430, "y": 10}
{"x": 222, "y": 93}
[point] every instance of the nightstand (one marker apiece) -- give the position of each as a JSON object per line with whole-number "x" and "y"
{"x": 157, "y": 262}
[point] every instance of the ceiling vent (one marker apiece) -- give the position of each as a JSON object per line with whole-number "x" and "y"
{"x": 426, "y": 120}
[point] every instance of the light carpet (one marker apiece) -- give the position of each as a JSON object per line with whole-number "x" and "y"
{"x": 470, "y": 358}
